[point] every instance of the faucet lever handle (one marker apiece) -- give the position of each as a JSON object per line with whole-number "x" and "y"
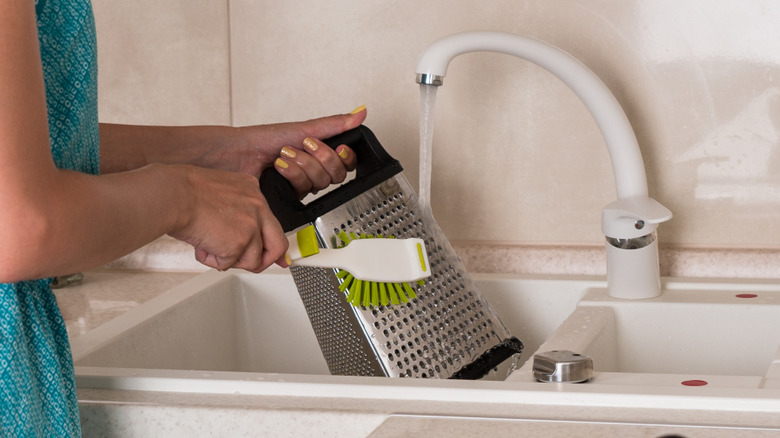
{"x": 633, "y": 217}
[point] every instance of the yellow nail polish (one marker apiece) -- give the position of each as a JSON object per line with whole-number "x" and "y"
{"x": 310, "y": 144}
{"x": 281, "y": 163}
{"x": 288, "y": 259}
{"x": 288, "y": 152}
{"x": 344, "y": 153}
{"x": 359, "y": 109}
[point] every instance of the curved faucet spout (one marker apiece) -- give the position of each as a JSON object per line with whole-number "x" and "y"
{"x": 627, "y": 164}
{"x": 630, "y": 222}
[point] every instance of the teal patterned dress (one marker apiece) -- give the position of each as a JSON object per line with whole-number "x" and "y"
{"x": 37, "y": 387}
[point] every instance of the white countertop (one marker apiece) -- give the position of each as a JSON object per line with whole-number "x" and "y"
{"x": 105, "y": 294}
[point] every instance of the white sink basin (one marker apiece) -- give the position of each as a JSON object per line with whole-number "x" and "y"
{"x": 726, "y": 333}
{"x": 257, "y": 323}
{"x": 694, "y": 331}
{"x": 214, "y": 322}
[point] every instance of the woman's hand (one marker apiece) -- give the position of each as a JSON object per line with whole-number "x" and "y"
{"x": 226, "y": 217}
{"x": 228, "y": 221}
{"x": 316, "y": 166}
{"x": 299, "y": 154}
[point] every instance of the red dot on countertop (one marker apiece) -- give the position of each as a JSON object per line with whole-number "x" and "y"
{"x": 746, "y": 295}
{"x": 694, "y": 382}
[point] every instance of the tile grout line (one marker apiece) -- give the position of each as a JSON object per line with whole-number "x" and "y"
{"x": 231, "y": 95}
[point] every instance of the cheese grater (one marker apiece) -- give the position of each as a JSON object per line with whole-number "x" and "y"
{"x": 448, "y": 331}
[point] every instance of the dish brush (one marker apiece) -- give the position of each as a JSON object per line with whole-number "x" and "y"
{"x": 373, "y": 270}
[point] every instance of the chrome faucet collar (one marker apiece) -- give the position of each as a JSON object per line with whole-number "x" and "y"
{"x": 430, "y": 79}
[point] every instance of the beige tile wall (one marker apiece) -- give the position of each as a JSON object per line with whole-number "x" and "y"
{"x": 163, "y": 62}
{"x": 516, "y": 156}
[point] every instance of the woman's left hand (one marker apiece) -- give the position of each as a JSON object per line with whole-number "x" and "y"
{"x": 297, "y": 152}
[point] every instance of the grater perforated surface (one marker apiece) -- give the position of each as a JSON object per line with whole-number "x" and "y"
{"x": 448, "y": 326}
{"x": 338, "y": 332}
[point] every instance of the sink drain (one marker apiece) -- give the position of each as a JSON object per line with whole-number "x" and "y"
{"x": 562, "y": 366}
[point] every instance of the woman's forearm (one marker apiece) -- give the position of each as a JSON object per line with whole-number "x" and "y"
{"x": 69, "y": 221}
{"x": 128, "y": 147}
{"x": 249, "y": 149}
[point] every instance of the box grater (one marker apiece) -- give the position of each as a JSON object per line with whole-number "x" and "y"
{"x": 448, "y": 331}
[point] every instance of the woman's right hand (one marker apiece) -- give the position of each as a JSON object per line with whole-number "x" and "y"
{"x": 228, "y": 221}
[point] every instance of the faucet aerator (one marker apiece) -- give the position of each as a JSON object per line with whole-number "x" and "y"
{"x": 430, "y": 79}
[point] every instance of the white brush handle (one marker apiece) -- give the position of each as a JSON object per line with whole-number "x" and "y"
{"x": 378, "y": 259}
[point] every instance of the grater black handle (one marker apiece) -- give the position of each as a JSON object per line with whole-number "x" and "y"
{"x": 374, "y": 165}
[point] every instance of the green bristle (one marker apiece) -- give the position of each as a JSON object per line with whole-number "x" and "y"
{"x": 344, "y": 238}
{"x": 401, "y": 294}
{"x": 347, "y": 279}
{"x": 421, "y": 282}
{"x": 383, "y": 294}
{"x": 352, "y": 296}
{"x": 351, "y": 289}
{"x": 393, "y": 294}
{"x": 374, "y": 294}
{"x": 357, "y": 289}
{"x": 409, "y": 291}
{"x": 366, "y": 293}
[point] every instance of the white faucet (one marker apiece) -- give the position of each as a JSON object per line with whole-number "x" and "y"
{"x": 630, "y": 222}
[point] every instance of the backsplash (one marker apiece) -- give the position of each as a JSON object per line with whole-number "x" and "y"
{"x": 517, "y": 158}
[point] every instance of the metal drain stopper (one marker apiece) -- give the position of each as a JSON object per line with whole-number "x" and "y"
{"x": 562, "y": 366}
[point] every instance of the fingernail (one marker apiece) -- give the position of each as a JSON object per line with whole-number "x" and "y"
{"x": 359, "y": 109}
{"x": 288, "y": 152}
{"x": 288, "y": 259}
{"x": 281, "y": 163}
{"x": 344, "y": 153}
{"x": 310, "y": 144}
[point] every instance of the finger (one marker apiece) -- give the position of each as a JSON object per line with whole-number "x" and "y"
{"x": 326, "y": 127}
{"x": 331, "y": 161}
{"x": 250, "y": 258}
{"x": 268, "y": 246}
{"x": 214, "y": 261}
{"x": 275, "y": 244}
{"x": 294, "y": 174}
{"x": 347, "y": 156}
{"x": 312, "y": 166}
